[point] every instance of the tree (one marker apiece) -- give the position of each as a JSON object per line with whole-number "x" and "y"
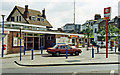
{"x": 102, "y": 32}
{"x": 116, "y": 32}
{"x": 88, "y": 32}
{"x": 112, "y": 31}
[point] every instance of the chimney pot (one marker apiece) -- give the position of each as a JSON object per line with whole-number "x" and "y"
{"x": 26, "y": 8}
{"x": 43, "y": 13}
{"x": 26, "y": 13}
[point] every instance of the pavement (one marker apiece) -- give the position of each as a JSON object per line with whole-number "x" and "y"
{"x": 85, "y": 58}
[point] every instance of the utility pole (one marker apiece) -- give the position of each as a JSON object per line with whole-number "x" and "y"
{"x": 74, "y": 11}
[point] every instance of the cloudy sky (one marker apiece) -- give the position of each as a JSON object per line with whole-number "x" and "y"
{"x": 60, "y": 12}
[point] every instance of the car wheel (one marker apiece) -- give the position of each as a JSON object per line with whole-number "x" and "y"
{"x": 76, "y": 53}
{"x": 57, "y": 54}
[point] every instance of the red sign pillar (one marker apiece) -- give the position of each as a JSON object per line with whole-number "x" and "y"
{"x": 106, "y": 38}
{"x": 107, "y": 14}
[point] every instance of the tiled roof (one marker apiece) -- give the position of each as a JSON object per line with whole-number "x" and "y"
{"x": 35, "y": 13}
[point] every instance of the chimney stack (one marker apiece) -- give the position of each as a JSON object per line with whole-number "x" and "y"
{"x": 43, "y": 14}
{"x": 26, "y": 8}
{"x": 26, "y": 13}
{"x": 97, "y": 16}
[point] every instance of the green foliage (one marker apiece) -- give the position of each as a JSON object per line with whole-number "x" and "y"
{"x": 102, "y": 32}
{"x": 88, "y": 31}
{"x": 112, "y": 30}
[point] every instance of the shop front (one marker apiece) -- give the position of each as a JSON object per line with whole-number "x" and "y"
{"x": 34, "y": 41}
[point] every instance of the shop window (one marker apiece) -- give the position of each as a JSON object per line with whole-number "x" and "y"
{"x": 34, "y": 28}
{"x": 26, "y": 27}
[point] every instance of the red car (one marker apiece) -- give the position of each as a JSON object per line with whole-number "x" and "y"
{"x": 61, "y": 49}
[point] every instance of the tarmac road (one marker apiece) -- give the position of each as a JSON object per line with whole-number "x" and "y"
{"x": 65, "y": 69}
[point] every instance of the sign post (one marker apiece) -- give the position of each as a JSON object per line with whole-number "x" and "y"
{"x": 41, "y": 49}
{"x": 92, "y": 52}
{"x": 107, "y": 14}
{"x": 3, "y": 36}
{"x": 20, "y": 44}
{"x": 66, "y": 53}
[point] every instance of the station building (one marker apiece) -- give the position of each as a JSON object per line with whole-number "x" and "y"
{"x": 35, "y": 31}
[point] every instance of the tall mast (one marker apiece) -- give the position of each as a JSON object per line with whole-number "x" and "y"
{"x": 74, "y": 11}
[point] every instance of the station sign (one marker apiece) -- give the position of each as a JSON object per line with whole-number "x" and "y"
{"x": 71, "y": 36}
{"x": 107, "y": 13}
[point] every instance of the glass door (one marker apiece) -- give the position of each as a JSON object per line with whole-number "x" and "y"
{"x": 42, "y": 41}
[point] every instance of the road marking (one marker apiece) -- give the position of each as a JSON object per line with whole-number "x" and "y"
{"x": 112, "y": 72}
{"x": 74, "y": 73}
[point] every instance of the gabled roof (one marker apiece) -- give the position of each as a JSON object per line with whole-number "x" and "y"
{"x": 100, "y": 20}
{"x": 31, "y": 13}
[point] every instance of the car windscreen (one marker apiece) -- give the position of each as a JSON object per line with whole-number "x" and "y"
{"x": 68, "y": 47}
{"x": 55, "y": 46}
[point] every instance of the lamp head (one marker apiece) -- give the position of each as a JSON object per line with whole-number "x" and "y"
{"x": 21, "y": 27}
{"x": 3, "y": 16}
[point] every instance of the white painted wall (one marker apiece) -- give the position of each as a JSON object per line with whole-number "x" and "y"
{"x": 95, "y": 34}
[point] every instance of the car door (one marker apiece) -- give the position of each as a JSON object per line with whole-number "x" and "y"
{"x": 62, "y": 49}
{"x": 69, "y": 49}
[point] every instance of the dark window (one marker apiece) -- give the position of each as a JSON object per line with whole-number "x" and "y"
{"x": 38, "y": 19}
{"x": 39, "y": 16}
{"x": 61, "y": 47}
{"x": 75, "y": 27}
{"x": 30, "y": 17}
{"x": 68, "y": 47}
{"x": 12, "y": 18}
{"x": 19, "y": 18}
{"x": 95, "y": 30}
{"x": 49, "y": 38}
{"x": 33, "y": 18}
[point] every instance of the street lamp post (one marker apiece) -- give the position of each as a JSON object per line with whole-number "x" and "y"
{"x": 3, "y": 36}
{"x": 20, "y": 42}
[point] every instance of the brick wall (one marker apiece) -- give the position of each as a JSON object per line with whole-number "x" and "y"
{"x": 10, "y": 47}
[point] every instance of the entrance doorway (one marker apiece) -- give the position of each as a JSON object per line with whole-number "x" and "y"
{"x": 42, "y": 41}
{"x": 36, "y": 43}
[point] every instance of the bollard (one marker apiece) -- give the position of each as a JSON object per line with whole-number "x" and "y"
{"x": 66, "y": 53}
{"x": 115, "y": 49}
{"x": 92, "y": 52}
{"x": 24, "y": 50}
{"x": 20, "y": 45}
{"x": 41, "y": 49}
{"x": 32, "y": 54}
{"x": 97, "y": 49}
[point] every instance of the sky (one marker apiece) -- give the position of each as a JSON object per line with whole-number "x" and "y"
{"x": 60, "y": 12}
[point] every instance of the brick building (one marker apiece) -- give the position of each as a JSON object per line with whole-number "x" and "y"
{"x": 35, "y": 31}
